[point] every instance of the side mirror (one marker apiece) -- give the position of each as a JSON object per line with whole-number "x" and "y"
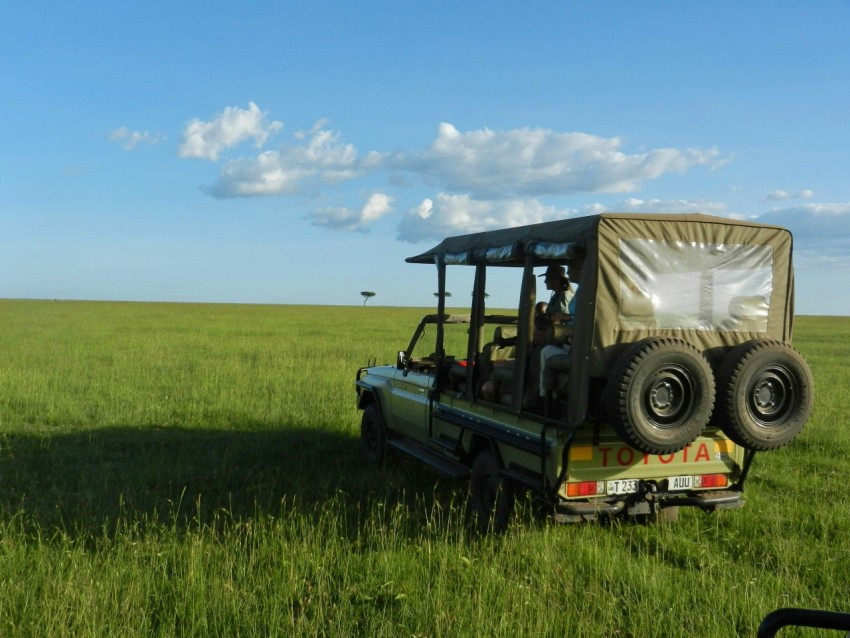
{"x": 401, "y": 360}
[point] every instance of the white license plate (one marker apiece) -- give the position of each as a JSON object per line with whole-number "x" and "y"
{"x": 680, "y": 482}
{"x": 623, "y": 486}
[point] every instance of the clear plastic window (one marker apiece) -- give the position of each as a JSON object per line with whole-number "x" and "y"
{"x": 694, "y": 285}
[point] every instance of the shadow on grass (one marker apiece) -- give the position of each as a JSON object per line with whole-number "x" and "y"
{"x": 84, "y": 483}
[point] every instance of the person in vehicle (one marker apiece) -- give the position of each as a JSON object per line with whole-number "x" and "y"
{"x": 555, "y": 358}
{"x": 556, "y": 280}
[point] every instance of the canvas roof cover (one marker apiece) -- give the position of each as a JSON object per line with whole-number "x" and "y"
{"x": 691, "y": 273}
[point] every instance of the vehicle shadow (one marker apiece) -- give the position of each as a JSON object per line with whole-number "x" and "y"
{"x": 85, "y": 484}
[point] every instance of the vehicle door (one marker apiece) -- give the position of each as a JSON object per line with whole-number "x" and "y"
{"x": 413, "y": 383}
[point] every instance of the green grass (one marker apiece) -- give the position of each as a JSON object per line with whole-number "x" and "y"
{"x": 194, "y": 470}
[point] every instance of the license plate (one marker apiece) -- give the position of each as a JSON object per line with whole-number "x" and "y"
{"x": 680, "y": 482}
{"x": 622, "y": 486}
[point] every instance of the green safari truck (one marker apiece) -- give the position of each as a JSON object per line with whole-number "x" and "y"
{"x": 665, "y": 366}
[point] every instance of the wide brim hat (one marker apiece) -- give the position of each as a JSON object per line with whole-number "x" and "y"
{"x": 555, "y": 271}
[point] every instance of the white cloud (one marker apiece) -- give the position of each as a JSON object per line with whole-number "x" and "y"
{"x": 460, "y": 214}
{"x": 781, "y": 195}
{"x": 821, "y": 231}
{"x": 533, "y": 162}
{"x": 378, "y": 205}
{"x": 320, "y": 124}
{"x": 207, "y": 140}
{"x": 489, "y": 179}
{"x": 813, "y": 221}
{"x": 324, "y": 156}
{"x": 131, "y": 139}
{"x": 266, "y": 174}
{"x": 684, "y": 206}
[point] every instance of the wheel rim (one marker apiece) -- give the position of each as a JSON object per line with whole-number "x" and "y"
{"x": 669, "y": 397}
{"x": 771, "y": 396}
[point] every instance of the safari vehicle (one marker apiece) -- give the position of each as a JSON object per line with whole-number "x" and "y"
{"x": 675, "y": 368}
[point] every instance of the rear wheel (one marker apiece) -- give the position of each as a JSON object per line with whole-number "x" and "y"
{"x": 492, "y": 495}
{"x": 660, "y": 395}
{"x": 373, "y": 434}
{"x": 766, "y": 393}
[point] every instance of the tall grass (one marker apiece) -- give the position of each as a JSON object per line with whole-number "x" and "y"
{"x": 193, "y": 470}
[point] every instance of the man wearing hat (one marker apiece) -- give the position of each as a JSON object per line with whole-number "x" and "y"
{"x": 557, "y": 281}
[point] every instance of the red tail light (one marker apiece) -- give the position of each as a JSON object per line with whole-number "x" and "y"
{"x": 712, "y": 480}
{"x": 585, "y": 488}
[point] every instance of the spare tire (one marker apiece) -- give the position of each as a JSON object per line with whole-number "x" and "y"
{"x": 765, "y": 394}
{"x": 660, "y": 395}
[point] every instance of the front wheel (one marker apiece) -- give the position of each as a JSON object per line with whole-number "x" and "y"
{"x": 492, "y": 495}
{"x": 373, "y": 435}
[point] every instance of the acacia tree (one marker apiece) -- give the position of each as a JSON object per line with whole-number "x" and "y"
{"x": 367, "y": 294}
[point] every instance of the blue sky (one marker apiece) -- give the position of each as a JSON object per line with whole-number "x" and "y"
{"x": 297, "y": 152}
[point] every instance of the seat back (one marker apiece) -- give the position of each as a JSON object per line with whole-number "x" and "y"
{"x": 502, "y": 349}
{"x": 503, "y": 345}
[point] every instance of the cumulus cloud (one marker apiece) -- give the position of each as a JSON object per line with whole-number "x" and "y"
{"x": 781, "y": 195}
{"x": 207, "y": 140}
{"x": 347, "y": 219}
{"x": 324, "y": 156}
{"x": 533, "y": 162}
{"x": 486, "y": 178}
{"x": 821, "y": 232}
{"x": 819, "y": 222}
{"x": 634, "y": 205}
{"x": 131, "y": 139}
{"x": 459, "y": 214}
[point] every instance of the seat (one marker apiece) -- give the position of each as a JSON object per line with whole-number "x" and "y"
{"x": 498, "y": 356}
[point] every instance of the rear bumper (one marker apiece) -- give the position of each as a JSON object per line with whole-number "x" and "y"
{"x": 709, "y": 501}
{"x": 591, "y": 509}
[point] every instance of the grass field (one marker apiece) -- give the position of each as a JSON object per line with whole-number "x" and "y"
{"x": 194, "y": 470}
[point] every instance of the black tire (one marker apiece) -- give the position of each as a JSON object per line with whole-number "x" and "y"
{"x": 373, "y": 435}
{"x": 491, "y": 494}
{"x": 765, "y": 394}
{"x": 660, "y": 395}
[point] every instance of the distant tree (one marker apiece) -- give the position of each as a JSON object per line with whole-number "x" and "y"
{"x": 367, "y": 294}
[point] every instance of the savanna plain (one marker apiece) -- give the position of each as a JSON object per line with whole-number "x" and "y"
{"x": 194, "y": 470}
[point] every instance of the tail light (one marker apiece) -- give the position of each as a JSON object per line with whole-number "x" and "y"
{"x": 711, "y": 480}
{"x": 586, "y": 488}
